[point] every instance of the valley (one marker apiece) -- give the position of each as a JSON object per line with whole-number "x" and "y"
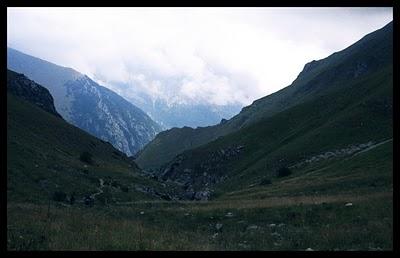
{"x": 307, "y": 168}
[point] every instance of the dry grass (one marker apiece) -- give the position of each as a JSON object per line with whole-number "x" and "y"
{"x": 318, "y": 222}
{"x": 288, "y": 201}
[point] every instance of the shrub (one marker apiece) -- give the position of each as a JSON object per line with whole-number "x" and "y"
{"x": 59, "y": 196}
{"x": 86, "y": 157}
{"x": 266, "y": 181}
{"x": 284, "y": 171}
{"x": 72, "y": 199}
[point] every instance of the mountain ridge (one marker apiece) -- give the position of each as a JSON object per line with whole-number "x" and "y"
{"x": 69, "y": 87}
{"x": 307, "y": 85}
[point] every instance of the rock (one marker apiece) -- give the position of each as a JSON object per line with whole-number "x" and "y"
{"x": 281, "y": 225}
{"x": 348, "y": 204}
{"x": 252, "y": 227}
{"x": 187, "y": 170}
{"x": 142, "y": 212}
{"x": 202, "y": 195}
{"x": 375, "y": 249}
{"x": 309, "y": 249}
{"x": 275, "y": 234}
{"x": 218, "y": 226}
{"x": 187, "y": 214}
{"x": 229, "y": 215}
{"x": 242, "y": 245}
{"x": 239, "y": 148}
{"x": 165, "y": 173}
{"x": 165, "y": 197}
{"x": 272, "y": 225}
{"x": 88, "y": 201}
{"x": 189, "y": 195}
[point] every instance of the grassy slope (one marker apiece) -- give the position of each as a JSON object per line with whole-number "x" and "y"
{"x": 332, "y": 73}
{"x": 307, "y": 208}
{"x": 44, "y": 149}
{"x": 359, "y": 113}
{"x": 318, "y": 221}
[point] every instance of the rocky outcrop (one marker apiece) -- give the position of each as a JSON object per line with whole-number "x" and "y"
{"x": 19, "y": 85}
{"x": 197, "y": 179}
{"x": 156, "y": 193}
{"x": 350, "y": 150}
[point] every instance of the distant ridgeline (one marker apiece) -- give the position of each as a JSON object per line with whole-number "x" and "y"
{"x": 87, "y": 105}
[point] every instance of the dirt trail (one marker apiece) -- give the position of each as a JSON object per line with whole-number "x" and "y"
{"x": 373, "y": 146}
{"x": 347, "y": 158}
{"x": 93, "y": 196}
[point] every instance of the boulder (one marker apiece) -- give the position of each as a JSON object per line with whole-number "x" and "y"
{"x": 202, "y": 195}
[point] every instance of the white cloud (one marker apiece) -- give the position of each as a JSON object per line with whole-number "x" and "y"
{"x": 216, "y": 55}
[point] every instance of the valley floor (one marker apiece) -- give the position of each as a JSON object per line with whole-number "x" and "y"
{"x": 330, "y": 222}
{"x": 338, "y": 204}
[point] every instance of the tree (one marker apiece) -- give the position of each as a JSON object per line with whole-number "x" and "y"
{"x": 283, "y": 171}
{"x": 72, "y": 199}
{"x": 266, "y": 181}
{"x": 59, "y": 196}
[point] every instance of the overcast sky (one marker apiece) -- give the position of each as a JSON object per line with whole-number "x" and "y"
{"x": 215, "y": 55}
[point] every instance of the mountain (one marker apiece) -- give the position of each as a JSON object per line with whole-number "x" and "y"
{"x": 172, "y": 112}
{"x": 351, "y": 195}
{"x": 298, "y": 177}
{"x": 191, "y": 115}
{"x": 87, "y": 105}
{"x": 318, "y": 79}
{"x": 335, "y": 107}
{"x": 46, "y": 155}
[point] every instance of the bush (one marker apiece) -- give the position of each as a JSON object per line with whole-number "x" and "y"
{"x": 72, "y": 199}
{"x": 266, "y": 181}
{"x": 59, "y": 196}
{"x": 284, "y": 171}
{"x": 86, "y": 157}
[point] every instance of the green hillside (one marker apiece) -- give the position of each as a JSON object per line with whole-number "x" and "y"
{"x": 318, "y": 78}
{"x": 358, "y": 114}
{"x": 44, "y": 157}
